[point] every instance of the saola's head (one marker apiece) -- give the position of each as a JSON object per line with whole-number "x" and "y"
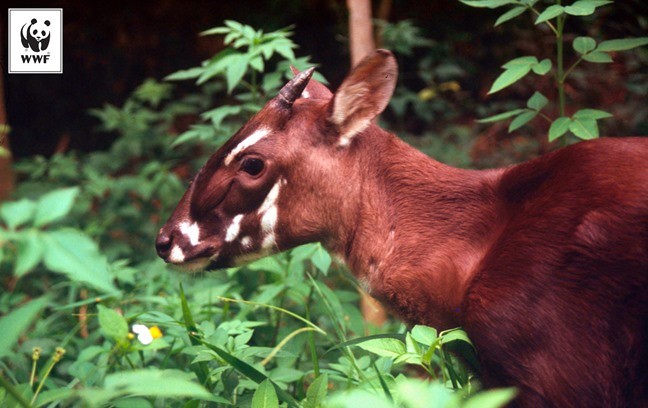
{"x": 285, "y": 178}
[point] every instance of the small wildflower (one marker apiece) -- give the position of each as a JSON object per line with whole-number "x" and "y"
{"x": 36, "y": 351}
{"x": 58, "y": 354}
{"x": 146, "y": 335}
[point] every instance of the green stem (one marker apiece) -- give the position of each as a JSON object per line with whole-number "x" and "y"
{"x": 311, "y": 340}
{"x": 560, "y": 76}
{"x": 571, "y": 68}
{"x": 548, "y": 23}
{"x": 42, "y": 381}
{"x": 14, "y": 392}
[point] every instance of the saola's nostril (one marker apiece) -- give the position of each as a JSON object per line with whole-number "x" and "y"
{"x": 163, "y": 245}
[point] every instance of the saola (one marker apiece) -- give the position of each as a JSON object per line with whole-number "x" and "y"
{"x": 545, "y": 263}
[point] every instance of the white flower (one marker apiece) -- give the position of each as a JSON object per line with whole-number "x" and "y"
{"x": 146, "y": 335}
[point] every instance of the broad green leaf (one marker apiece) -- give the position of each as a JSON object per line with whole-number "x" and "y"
{"x": 113, "y": 325}
{"x": 622, "y": 44}
{"x": 55, "y": 395}
{"x": 218, "y": 114}
{"x": 316, "y": 392}
{"x": 265, "y": 396}
{"x": 549, "y": 13}
{"x": 14, "y": 323}
{"x": 321, "y": 259}
{"x": 384, "y": 347}
{"x": 598, "y": 57}
{"x": 424, "y": 334}
{"x": 584, "y": 45}
{"x": 581, "y": 8}
{"x": 455, "y": 335}
{"x": 235, "y": 71}
{"x": 522, "y": 120}
{"x": 16, "y": 213}
{"x": 592, "y": 114}
{"x": 584, "y": 128}
{"x": 26, "y": 394}
{"x": 559, "y": 127}
{"x": 525, "y": 61}
{"x": 72, "y": 253}
{"x": 157, "y": 383}
{"x": 537, "y": 101}
{"x": 183, "y": 74}
{"x": 30, "y": 249}
{"x": 542, "y": 67}
{"x": 510, "y": 15}
{"x": 488, "y": 3}
{"x": 54, "y": 205}
{"x": 501, "y": 116}
{"x": 491, "y": 398}
{"x": 509, "y": 77}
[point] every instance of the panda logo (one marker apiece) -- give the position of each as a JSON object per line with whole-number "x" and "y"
{"x": 36, "y": 36}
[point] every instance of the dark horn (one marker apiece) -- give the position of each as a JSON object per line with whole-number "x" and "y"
{"x": 291, "y": 91}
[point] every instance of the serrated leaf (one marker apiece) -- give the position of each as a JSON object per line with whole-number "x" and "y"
{"x": 510, "y": 15}
{"x": 542, "y": 67}
{"x": 487, "y": 3}
{"x": 72, "y": 253}
{"x": 584, "y": 128}
{"x": 559, "y": 127}
{"x": 113, "y": 325}
{"x": 591, "y": 114}
{"x": 30, "y": 249}
{"x": 522, "y": 120}
{"x": 509, "y": 77}
{"x": 14, "y": 323}
{"x": 622, "y": 44}
{"x": 16, "y": 213}
{"x": 537, "y": 101}
{"x": 549, "y": 13}
{"x": 54, "y": 205}
{"x": 265, "y": 396}
{"x": 501, "y": 116}
{"x": 598, "y": 57}
{"x": 584, "y": 45}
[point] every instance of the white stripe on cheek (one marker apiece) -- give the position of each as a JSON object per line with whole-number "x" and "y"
{"x": 234, "y": 228}
{"x": 192, "y": 231}
{"x": 269, "y": 219}
{"x": 249, "y": 141}
{"x": 269, "y": 241}
{"x": 176, "y": 256}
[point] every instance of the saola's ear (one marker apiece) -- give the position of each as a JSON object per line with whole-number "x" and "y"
{"x": 364, "y": 94}
{"x": 314, "y": 89}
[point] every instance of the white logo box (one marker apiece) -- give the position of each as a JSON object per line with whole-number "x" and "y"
{"x": 40, "y": 52}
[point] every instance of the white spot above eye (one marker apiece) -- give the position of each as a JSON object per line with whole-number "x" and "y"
{"x": 247, "y": 142}
{"x": 234, "y": 228}
{"x": 192, "y": 231}
{"x": 176, "y": 256}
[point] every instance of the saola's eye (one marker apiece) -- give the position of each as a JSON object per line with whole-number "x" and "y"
{"x": 252, "y": 166}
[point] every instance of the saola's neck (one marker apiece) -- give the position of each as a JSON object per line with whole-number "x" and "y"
{"x": 422, "y": 229}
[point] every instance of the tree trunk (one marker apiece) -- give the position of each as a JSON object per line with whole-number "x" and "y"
{"x": 361, "y": 43}
{"x": 6, "y": 171}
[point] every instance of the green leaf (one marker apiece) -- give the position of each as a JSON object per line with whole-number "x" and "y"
{"x": 491, "y": 398}
{"x": 14, "y": 323}
{"x": 316, "y": 392}
{"x": 183, "y": 74}
{"x": 501, "y": 116}
{"x": 584, "y": 45}
{"x": 622, "y": 44}
{"x": 559, "y": 127}
{"x": 598, "y": 57}
{"x": 265, "y": 396}
{"x": 537, "y": 101}
{"x": 509, "y": 77}
{"x": 581, "y": 8}
{"x": 522, "y": 120}
{"x": 542, "y": 67}
{"x": 584, "y": 128}
{"x": 157, "y": 383}
{"x": 592, "y": 114}
{"x": 521, "y": 62}
{"x": 424, "y": 334}
{"x": 488, "y": 3}
{"x": 321, "y": 259}
{"x": 510, "y": 15}
{"x": 16, "y": 213}
{"x": 72, "y": 253}
{"x": 54, "y": 205}
{"x": 30, "y": 249}
{"x": 549, "y": 13}
{"x": 384, "y": 347}
{"x": 455, "y": 335}
{"x": 113, "y": 325}
{"x": 236, "y": 69}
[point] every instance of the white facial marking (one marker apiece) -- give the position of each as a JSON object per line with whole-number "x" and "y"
{"x": 246, "y": 242}
{"x": 269, "y": 215}
{"x": 176, "y": 256}
{"x": 192, "y": 231}
{"x": 305, "y": 94}
{"x": 269, "y": 219}
{"x": 234, "y": 228}
{"x": 249, "y": 141}
{"x": 269, "y": 241}
{"x": 271, "y": 198}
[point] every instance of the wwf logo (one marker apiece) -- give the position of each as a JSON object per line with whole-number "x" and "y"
{"x": 35, "y": 35}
